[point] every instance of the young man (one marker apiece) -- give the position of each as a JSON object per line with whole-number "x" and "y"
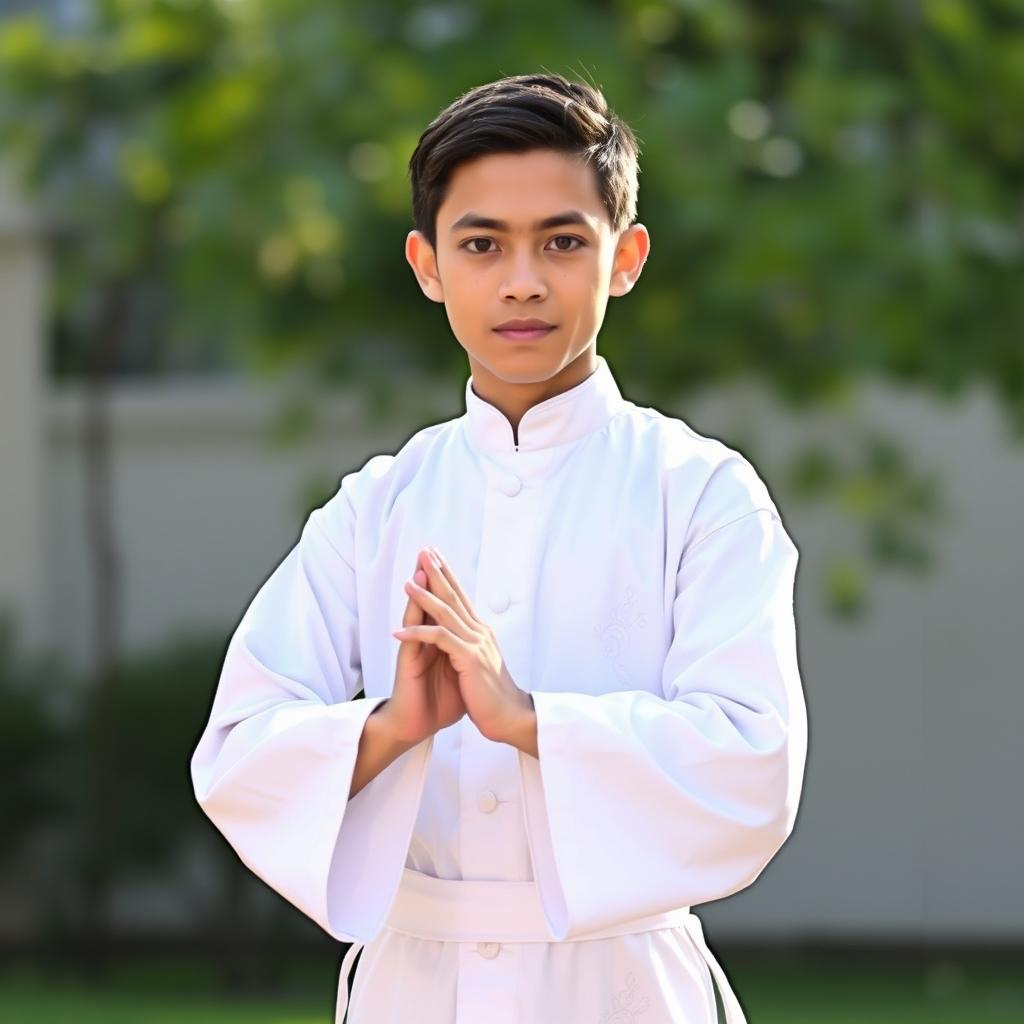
{"x": 572, "y": 617}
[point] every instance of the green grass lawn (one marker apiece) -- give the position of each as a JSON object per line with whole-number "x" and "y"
{"x": 787, "y": 991}
{"x": 882, "y": 992}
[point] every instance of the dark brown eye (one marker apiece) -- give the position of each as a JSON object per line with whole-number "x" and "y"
{"x": 571, "y": 238}
{"x": 470, "y": 241}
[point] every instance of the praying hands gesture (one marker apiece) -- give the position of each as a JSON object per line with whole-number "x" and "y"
{"x": 449, "y": 664}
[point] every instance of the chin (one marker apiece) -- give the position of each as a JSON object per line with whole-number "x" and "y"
{"x": 522, "y": 367}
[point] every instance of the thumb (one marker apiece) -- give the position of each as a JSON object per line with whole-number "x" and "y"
{"x": 414, "y": 616}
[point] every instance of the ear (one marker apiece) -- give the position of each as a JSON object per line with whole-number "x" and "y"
{"x": 631, "y": 253}
{"x": 423, "y": 260}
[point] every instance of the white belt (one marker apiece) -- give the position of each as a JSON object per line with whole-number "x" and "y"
{"x": 473, "y": 911}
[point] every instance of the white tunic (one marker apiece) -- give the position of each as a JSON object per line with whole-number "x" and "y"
{"x": 640, "y": 583}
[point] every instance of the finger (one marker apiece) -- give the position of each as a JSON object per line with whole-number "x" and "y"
{"x": 442, "y": 613}
{"x": 457, "y": 597}
{"x": 441, "y": 588}
{"x": 437, "y": 635}
{"x": 457, "y": 587}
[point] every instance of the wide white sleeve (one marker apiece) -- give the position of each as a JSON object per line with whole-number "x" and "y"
{"x": 273, "y": 767}
{"x": 641, "y": 803}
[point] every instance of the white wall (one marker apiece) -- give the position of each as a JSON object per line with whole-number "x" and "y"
{"x": 911, "y": 819}
{"x": 912, "y": 822}
{"x": 204, "y": 507}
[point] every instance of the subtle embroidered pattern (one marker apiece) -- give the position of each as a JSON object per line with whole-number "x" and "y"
{"x": 625, "y": 1006}
{"x": 614, "y": 635}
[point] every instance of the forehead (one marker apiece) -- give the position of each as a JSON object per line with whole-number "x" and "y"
{"x": 522, "y": 189}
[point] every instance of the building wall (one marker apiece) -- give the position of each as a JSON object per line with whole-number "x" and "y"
{"x": 907, "y": 825}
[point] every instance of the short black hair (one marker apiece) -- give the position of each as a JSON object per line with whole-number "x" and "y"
{"x": 516, "y": 114}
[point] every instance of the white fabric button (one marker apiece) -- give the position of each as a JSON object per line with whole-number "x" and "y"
{"x": 488, "y": 949}
{"x": 487, "y": 802}
{"x": 500, "y": 602}
{"x": 511, "y": 485}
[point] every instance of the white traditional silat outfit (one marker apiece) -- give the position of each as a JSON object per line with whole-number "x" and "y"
{"x": 640, "y": 583}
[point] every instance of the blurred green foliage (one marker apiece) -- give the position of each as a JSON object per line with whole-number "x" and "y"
{"x": 154, "y": 829}
{"x": 832, "y": 189}
{"x": 35, "y": 722}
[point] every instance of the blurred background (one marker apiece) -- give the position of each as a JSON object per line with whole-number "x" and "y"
{"x": 207, "y": 319}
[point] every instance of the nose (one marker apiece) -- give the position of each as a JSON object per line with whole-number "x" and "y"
{"x": 523, "y": 281}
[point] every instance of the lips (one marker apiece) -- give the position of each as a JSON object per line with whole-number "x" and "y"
{"x": 525, "y": 335}
{"x": 524, "y": 330}
{"x": 530, "y": 324}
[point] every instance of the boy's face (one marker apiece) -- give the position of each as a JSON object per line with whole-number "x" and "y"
{"x": 563, "y": 274}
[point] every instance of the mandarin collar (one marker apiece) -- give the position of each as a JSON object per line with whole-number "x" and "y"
{"x": 555, "y": 421}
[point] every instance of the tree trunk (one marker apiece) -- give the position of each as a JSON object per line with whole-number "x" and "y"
{"x": 98, "y": 855}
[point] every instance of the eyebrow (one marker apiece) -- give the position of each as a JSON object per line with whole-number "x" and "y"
{"x": 476, "y": 220}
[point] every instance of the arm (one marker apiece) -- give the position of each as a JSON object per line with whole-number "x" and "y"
{"x": 378, "y": 747}
{"x": 277, "y": 761}
{"x": 697, "y": 789}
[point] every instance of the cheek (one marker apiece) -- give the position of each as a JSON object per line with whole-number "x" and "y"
{"x": 578, "y": 285}
{"x": 463, "y": 298}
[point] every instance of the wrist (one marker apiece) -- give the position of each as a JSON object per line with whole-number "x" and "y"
{"x": 382, "y": 726}
{"x": 521, "y": 721}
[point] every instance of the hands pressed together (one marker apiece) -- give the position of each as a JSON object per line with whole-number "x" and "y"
{"x": 449, "y": 665}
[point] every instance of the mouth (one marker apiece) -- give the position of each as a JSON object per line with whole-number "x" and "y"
{"x": 524, "y": 334}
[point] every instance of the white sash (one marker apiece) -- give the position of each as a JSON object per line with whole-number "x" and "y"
{"x": 474, "y": 911}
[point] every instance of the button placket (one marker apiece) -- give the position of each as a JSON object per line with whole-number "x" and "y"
{"x": 488, "y": 983}
{"x": 490, "y": 844}
{"x": 509, "y": 485}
